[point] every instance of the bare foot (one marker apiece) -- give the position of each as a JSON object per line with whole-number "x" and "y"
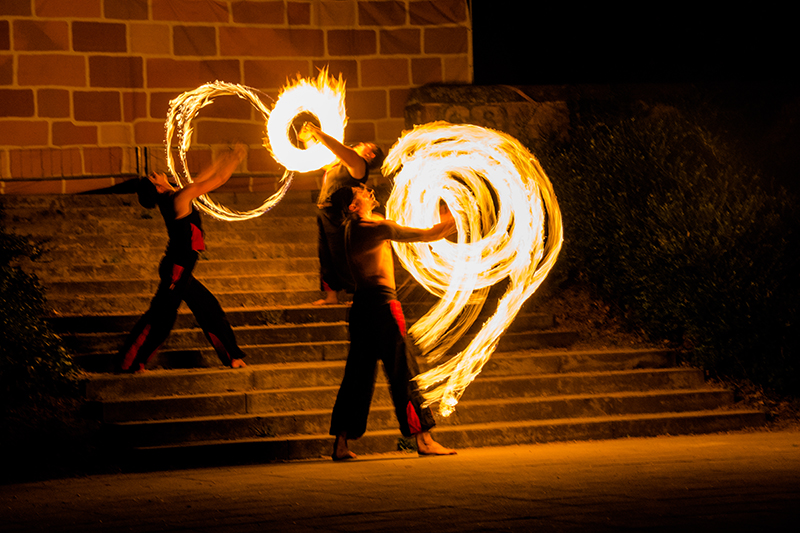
{"x": 427, "y": 446}
{"x": 340, "y": 450}
{"x": 331, "y": 298}
{"x": 238, "y": 363}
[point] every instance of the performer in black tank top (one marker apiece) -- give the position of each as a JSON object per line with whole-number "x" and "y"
{"x": 186, "y": 237}
{"x": 177, "y": 284}
{"x": 350, "y": 169}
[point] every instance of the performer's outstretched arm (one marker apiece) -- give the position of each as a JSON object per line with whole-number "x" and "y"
{"x": 209, "y": 179}
{"x": 354, "y": 163}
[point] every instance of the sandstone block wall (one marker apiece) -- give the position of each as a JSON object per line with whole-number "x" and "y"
{"x": 85, "y": 85}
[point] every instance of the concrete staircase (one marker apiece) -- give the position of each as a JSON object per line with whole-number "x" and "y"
{"x": 100, "y": 273}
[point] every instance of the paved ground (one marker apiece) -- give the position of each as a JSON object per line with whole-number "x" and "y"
{"x": 727, "y": 482}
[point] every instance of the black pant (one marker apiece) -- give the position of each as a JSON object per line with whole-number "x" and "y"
{"x": 334, "y": 272}
{"x": 377, "y": 331}
{"x": 178, "y": 284}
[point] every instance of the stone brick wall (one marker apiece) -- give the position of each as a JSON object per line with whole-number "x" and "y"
{"x": 85, "y": 85}
{"x": 530, "y": 114}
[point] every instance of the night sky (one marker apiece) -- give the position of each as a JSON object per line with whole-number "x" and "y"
{"x": 644, "y": 45}
{"x": 747, "y": 60}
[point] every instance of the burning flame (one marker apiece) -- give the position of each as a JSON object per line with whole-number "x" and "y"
{"x": 182, "y": 110}
{"x": 509, "y": 227}
{"x": 324, "y": 98}
{"x": 507, "y": 216}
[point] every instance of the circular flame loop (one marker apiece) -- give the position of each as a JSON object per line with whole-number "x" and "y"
{"x": 182, "y": 110}
{"x": 322, "y": 97}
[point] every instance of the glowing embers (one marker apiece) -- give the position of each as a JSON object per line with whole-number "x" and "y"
{"x": 509, "y": 228}
{"x": 323, "y": 98}
{"x": 182, "y": 110}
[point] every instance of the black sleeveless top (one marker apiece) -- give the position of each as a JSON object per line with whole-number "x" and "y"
{"x": 337, "y": 177}
{"x": 186, "y": 237}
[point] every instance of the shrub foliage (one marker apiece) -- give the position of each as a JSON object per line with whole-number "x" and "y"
{"x": 665, "y": 221}
{"x": 34, "y": 365}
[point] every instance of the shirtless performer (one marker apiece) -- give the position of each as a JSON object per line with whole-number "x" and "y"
{"x": 377, "y": 330}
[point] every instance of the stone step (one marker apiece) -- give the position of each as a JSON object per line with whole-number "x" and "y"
{"x": 146, "y": 242}
{"x": 116, "y": 296}
{"x": 297, "y": 447}
{"x": 138, "y": 303}
{"x": 51, "y": 273}
{"x": 237, "y": 317}
{"x": 151, "y": 256}
{"x": 532, "y": 386}
{"x": 58, "y": 204}
{"x": 297, "y": 281}
{"x": 99, "y": 268}
{"x": 101, "y": 285}
{"x": 250, "y": 421}
{"x": 76, "y": 230}
{"x": 188, "y": 339}
{"x": 277, "y": 377}
{"x": 163, "y": 383}
{"x": 567, "y": 361}
{"x": 206, "y": 358}
{"x": 170, "y": 419}
{"x": 600, "y": 427}
{"x": 308, "y": 403}
{"x": 97, "y": 352}
{"x": 266, "y": 315}
{"x": 90, "y": 220}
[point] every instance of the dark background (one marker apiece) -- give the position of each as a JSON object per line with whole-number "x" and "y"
{"x": 740, "y": 67}
{"x": 527, "y": 43}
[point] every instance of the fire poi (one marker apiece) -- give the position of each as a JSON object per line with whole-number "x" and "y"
{"x": 322, "y": 97}
{"x": 507, "y": 217}
{"x": 509, "y": 227}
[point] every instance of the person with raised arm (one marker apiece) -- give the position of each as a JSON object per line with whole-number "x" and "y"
{"x": 351, "y": 168}
{"x": 177, "y": 283}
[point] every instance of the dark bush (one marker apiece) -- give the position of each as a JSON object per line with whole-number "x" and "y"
{"x": 38, "y": 382}
{"x": 33, "y": 363}
{"x": 39, "y": 400}
{"x": 694, "y": 247}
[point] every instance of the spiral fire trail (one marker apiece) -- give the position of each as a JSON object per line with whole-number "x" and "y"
{"x": 509, "y": 228}
{"x": 182, "y": 111}
{"x": 322, "y": 97}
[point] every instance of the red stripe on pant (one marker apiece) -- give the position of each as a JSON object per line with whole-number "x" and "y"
{"x": 130, "y": 356}
{"x": 414, "y": 425}
{"x": 397, "y": 313}
{"x": 220, "y": 348}
{"x": 177, "y": 272}
{"x": 198, "y": 243}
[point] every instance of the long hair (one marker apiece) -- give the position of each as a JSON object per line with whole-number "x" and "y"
{"x": 341, "y": 200}
{"x": 147, "y": 193}
{"x": 377, "y": 161}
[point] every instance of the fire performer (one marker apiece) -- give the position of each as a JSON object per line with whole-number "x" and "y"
{"x": 177, "y": 284}
{"x": 377, "y": 329}
{"x": 351, "y": 168}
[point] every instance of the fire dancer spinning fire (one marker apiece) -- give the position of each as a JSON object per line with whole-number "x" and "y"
{"x": 351, "y": 168}
{"x": 177, "y": 282}
{"x": 377, "y": 329}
